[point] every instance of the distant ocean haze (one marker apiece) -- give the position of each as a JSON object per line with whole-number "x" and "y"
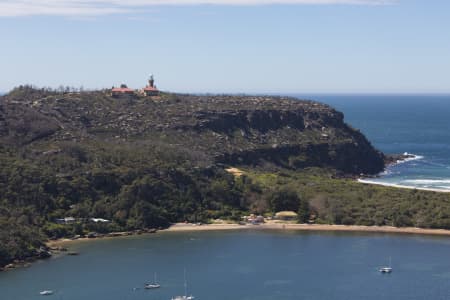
{"x": 416, "y": 124}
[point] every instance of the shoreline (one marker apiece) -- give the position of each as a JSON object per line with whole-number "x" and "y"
{"x": 399, "y": 186}
{"x": 308, "y": 227}
{"x": 182, "y": 227}
{"x": 406, "y": 157}
{"x": 62, "y": 246}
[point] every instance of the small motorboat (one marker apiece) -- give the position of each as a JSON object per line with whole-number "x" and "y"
{"x": 46, "y": 293}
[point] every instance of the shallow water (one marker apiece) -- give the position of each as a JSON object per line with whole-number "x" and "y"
{"x": 243, "y": 265}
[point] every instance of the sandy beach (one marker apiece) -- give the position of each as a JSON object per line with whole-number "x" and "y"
{"x": 183, "y": 227}
{"x": 308, "y": 227}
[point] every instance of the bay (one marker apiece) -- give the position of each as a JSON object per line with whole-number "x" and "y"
{"x": 244, "y": 265}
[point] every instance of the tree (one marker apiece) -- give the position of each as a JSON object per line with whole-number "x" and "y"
{"x": 284, "y": 199}
{"x": 303, "y": 211}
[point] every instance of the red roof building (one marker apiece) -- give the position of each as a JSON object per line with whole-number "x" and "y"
{"x": 150, "y": 89}
{"x": 122, "y": 90}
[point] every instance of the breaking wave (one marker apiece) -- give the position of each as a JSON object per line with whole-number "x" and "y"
{"x": 427, "y": 181}
{"x": 437, "y": 188}
{"x": 413, "y": 157}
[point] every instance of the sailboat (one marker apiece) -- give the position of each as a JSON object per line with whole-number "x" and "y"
{"x": 386, "y": 269}
{"x": 152, "y": 285}
{"x": 185, "y": 297}
{"x": 46, "y": 293}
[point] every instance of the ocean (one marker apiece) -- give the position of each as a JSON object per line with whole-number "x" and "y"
{"x": 242, "y": 265}
{"x": 416, "y": 124}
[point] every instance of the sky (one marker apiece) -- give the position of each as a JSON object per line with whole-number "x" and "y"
{"x": 228, "y": 46}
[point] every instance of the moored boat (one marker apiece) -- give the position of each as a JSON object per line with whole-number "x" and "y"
{"x": 152, "y": 285}
{"x": 185, "y": 297}
{"x": 386, "y": 269}
{"x": 46, "y": 293}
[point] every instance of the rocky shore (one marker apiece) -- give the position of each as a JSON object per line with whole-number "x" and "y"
{"x": 58, "y": 246}
{"x": 44, "y": 252}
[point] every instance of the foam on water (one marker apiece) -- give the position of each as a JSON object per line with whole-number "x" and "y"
{"x": 427, "y": 181}
{"x": 438, "y": 188}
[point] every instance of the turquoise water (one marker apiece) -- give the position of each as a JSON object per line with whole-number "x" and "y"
{"x": 243, "y": 265}
{"x": 417, "y": 124}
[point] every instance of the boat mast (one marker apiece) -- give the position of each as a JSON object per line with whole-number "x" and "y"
{"x": 185, "y": 283}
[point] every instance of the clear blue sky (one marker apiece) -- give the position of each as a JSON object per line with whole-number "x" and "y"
{"x": 369, "y": 47}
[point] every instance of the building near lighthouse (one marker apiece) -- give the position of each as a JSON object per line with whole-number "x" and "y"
{"x": 151, "y": 89}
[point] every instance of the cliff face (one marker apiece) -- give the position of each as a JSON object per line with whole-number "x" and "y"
{"x": 305, "y": 135}
{"x": 204, "y": 130}
{"x": 247, "y": 120}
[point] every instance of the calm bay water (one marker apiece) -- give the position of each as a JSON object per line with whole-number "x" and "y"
{"x": 417, "y": 124}
{"x": 243, "y": 265}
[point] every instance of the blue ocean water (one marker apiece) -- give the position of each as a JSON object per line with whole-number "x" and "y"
{"x": 417, "y": 124}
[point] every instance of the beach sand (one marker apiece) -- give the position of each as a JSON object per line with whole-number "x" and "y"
{"x": 308, "y": 227}
{"x": 274, "y": 225}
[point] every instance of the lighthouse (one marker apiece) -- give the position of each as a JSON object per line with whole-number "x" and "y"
{"x": 150, "y": 89}
{"x": 151, "y": 81}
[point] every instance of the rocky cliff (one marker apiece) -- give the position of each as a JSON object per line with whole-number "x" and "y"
{"x": 204, "y": 130}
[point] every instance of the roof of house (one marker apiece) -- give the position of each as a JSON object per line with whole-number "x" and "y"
{"x": 286, "y": 214}
{"x": 150, "y": 89}
{"x": 97, "y": 220}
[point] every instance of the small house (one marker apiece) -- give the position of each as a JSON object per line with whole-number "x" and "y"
{"x": 150, "y": 89}
{"x": 99, "y": 220}
{"x": 253, "y": 219}
{"x": 286, "y": 216}
{"x": 123, "y": 90}
{"x": 66, "y": 220}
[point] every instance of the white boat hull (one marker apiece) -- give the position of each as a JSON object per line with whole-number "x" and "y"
{"x": 46, "y": 293}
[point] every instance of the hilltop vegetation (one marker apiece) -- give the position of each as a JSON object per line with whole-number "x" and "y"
{"x": 145, "y": 162}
